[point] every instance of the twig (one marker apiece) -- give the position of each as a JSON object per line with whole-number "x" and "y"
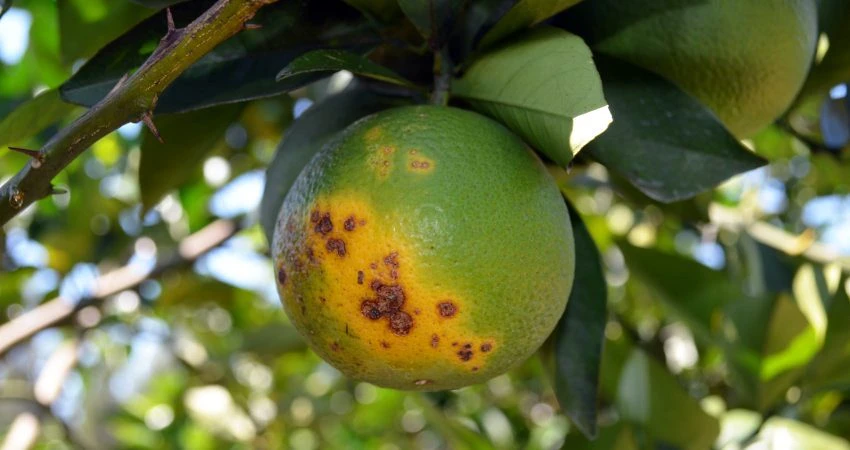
{"x": 59, "y": 310}
{"x": 442, "y": 77}
{"x": 132, "y": 99}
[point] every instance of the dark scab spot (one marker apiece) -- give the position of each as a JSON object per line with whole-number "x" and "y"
{"x": 375, "y": 284}
{"x": 475, "y": 368}
{"x": 359, "y": 277}
{"x": 454, "y": 344}
{"x": 324, "y": 224}
{"x": 416, "y": 311}
{"x": 349, "y": 224}
{"x": 392, "y": 296}
{"x": 420, "y": 164}
{"x": 281, "y": 275}
{"x": 467, "y": 346}
{"x": 336, "y": 246}
{"x": 373, "y": 266}
{"x": 323, "y": 300}
{"x": 465, "y": 354}
{"x": 315, "y": 216}
{"x": 401, "y": 323}
{"x": 447, "y": 309}
{"x": 391, "y": 260}
{"x": 369, "y": 308}
{"x": 486, "y": 347}
{"x": 435, "y": 340}
{"x": 335, "y": 346}
{"x": 385, "y": 344}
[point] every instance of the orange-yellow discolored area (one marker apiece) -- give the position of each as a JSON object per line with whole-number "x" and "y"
{"x": 363, "y": 280}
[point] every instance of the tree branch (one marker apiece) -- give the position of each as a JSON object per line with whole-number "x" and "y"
{"x": 60, "y": 310}
{"x": 132, "y": 99}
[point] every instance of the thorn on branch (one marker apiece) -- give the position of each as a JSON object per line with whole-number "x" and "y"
{"x": 170, "y": 19}
{"x": 56, "y": 190}
{"x": 147, "y": 118}
{"x": 37, "y": 156}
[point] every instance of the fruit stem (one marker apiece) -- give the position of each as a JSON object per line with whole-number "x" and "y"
{"x": 442, "y": 77}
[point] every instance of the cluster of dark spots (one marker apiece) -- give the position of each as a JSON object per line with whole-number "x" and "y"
{"x": 388, "y": 302}
{"x": 401, "y": 323}
{"x": 322, "y": 222}
{"x": 447, "y": 309}
{"x": 420, "y": 164}
{"x": 349, "y": 224}
{"x": 465, "y": 354}
{"x": 435, "y": 340}
{"x": 281, "y": 275}
{"x": 369, "y": 308}
{"x": 486, "y": 347}
{"x": 336, "y": 246}
{"x": 385, "y": 344}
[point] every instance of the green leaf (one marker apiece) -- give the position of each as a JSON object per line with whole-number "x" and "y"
{"x": 652, "y": 398}
{"x": 381, "y": 11}
{"x": 690, "y": 291}
{"x": 33, "y": 116}
{"x": 662, "y": 140}
{"x": 793, "y": 435}
{"x": 157, "y": 4}
{"x": 831, "y": 367}
{"x": 85, "y": 25}
{"x": 544, "y": 87}
{"x": 300, "y": 71}
{"x": 241, "y": 68}
{"x": 188, "y": 137}
{"x": 580, "y": 332}
{"x": 306, "y": 137}
{"x": 834, "y": 68}
{"x": 479, "y": 18}
{"x": 525, "y": 14}
{"x": 435, "y": 19}
{"x": 617, "y": 437}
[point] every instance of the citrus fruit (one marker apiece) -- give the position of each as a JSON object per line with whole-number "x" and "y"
{"x": 424, "y": 248}
{"x": 745, "y": 59}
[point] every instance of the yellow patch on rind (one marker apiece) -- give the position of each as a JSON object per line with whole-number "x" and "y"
{"x": 370, "y": 285}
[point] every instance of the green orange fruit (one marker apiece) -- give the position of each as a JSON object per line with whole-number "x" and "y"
{"x": 424, "y": 248}
{"x": 745, "y": 59}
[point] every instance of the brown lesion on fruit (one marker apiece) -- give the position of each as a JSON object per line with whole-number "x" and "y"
{"x": 350, "y": 223}
{"x": 337, "y": 246}
{"x": 446, "y": 309}
{"x": 435, "y": 341}
{"x": 322, "y": 223}
{"x": 335, "y": 346}
{"x": 385, "y": 344}
{"x": 486, "y": 347}
{"x": 281, "y": 275}
{"x": 389, "y": 298}
{"x": 418, "y": 163}
{"x": 465, "y": 353}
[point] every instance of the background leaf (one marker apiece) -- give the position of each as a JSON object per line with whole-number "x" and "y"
{"x": 577, "y": 339}
{"x": 434, "y": 19}
{"x": 525, "y": 14}
{"x": 85, "y": 26}
{"x": 306, "y": 137}
{"x": 33, "y": 116}
{"x": 649, "y": 396}
{"x": 241, "y": 68}
{"x": 663, "y": 140}
{"x": 383, "y": 11}
{"x": 188, "y": 137}
{"x": 301, "y": 69}
{"x": 544, "y": 87}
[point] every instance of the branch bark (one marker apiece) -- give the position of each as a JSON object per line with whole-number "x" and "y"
{"x": 59, "y": 310}
{"x": 133, "y": 99}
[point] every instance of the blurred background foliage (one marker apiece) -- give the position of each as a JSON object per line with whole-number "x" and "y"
{"x": 729, "y": 316}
